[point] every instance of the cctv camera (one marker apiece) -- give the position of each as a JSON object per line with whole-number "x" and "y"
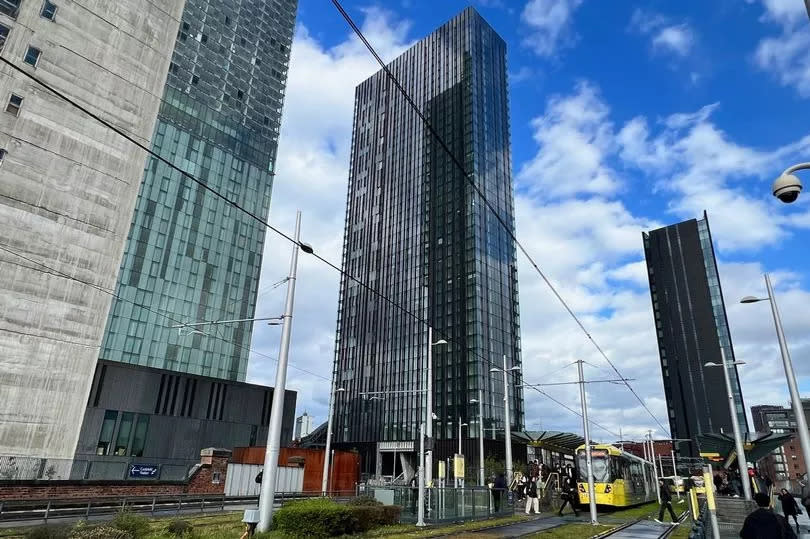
{"x": 787, "y": 188}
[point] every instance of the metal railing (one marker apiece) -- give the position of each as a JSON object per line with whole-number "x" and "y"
{"x": 446, "y": 504}
{"x": 87, "y": 508}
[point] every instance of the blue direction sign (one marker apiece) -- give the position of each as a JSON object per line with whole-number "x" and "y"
{"x": 141, "y": 470}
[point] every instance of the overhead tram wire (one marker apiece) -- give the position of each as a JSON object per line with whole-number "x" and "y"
{"x": 56, "y": 272}
{"x": 480, "y": 193}
{"x": 591, "y": 421}
{"x": 122, "y": 133}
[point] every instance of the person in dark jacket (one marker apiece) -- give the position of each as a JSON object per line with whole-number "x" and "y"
{"x": 764, "y": 523}
{"x": 666, "y": 502}
{"x": 569, "y": 495}
{"x": 789, "y": 507}
{"x": 498, "y": 488}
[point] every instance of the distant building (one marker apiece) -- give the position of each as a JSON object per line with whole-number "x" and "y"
{"x": 786, "y": 462}
{"x": 159, "y": 420}
{"x": 691, "y": 327}
{"x": 68, "y": 185}
{"x": 189, "y": 255}
{"x": 303, "y": 426}
{"x": 417, "y": 233}
{"x": 770, "y": 418}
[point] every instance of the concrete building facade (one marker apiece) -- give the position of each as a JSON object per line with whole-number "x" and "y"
{"x": 421, "y": 236}
{"x": 303, "y": 426}
{"x": 145, "y": 423}
{"x": 189, "y": 255}
{"x": 68, "y": 186}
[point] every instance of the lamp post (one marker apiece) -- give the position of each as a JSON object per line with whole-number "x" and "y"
{"x": 507, "y": 420}
{"x": 326, "y": 461}
{"x": 588, "y": 460}
{"x": 268, "y": 487}
{"x": 460, "y": 424}
{"x": 480, "y": 401}
{"x": 742, "y": 463}
{"x": 429, "y": 418}
{"x": 796, "y": 401}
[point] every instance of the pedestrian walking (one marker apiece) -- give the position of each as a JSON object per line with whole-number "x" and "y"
{"x": 531, "y": 496}
{"x": 764, "y": 523}
{"x": 666, "y": 503}
{"x": 569, "y": 495}
{"x": 498, "y": 488}
{"x": 789, "y": 507}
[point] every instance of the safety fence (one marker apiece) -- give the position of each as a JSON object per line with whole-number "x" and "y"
{"x": 446, "y": 504}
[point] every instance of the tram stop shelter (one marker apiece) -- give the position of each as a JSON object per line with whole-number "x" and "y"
{"x": 721, "y": 446}
{"x": 551, "y": 447}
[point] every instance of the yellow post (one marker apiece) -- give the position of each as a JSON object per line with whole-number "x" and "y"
{"x": 694, "y": 499}
{"x": 708, "y": 480}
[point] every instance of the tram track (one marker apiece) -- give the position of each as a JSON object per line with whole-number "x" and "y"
{"x": 643, "y": 528}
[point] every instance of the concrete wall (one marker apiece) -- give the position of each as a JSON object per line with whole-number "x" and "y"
{"x": 67, "y": 190}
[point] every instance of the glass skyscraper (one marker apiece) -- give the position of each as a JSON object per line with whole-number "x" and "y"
{"x": 418, "y": 234}
{"x": 691, "y": 325}
{"x": 189, "y": 255}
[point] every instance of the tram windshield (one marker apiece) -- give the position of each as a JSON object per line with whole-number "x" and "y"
{"x": 600, "y": 460}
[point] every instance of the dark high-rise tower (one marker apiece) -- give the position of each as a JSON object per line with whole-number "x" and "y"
{"x": 418, "y": 234}
{"x": 189, "y": 255}
{"x": 691, "y": 324}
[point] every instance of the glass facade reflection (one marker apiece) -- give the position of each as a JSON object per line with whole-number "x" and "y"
{"x": 418, "y": 234}
{"x": 188, "y": 254}
{"x": 691, "y": 326}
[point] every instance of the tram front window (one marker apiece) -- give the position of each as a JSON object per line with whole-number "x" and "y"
{"x": 600, "y": 460}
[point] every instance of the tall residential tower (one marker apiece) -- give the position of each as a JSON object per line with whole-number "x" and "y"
{"x": 691, "y": 325}
{"x": 68, "y": 185}
{"x": 189, "y": 256}
{"x": 431, "y": 251}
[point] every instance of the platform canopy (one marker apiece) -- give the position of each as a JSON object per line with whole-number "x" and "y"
{"x": 757, "y": 445}
{"x": 561, "y": 442}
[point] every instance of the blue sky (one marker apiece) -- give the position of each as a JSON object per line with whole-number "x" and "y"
{"x": 625, "y": 117}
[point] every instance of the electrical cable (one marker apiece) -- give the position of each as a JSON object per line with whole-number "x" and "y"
{"x": 509, "y": 230}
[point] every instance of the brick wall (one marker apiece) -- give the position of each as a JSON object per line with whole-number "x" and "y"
{"x": 208, "y": 478}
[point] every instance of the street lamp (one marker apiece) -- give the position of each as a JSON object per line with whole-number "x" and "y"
{"x": 787, "y": 186}
{"x": 430, "y": 414}
{"x": 793, "y": 387}
{"x": 480, "y": 401}
{"x": 326, "y": 463}
{"x": 742, "y": 463}
{"x": 460, "y": 424}
{"x": 507, "y": 420}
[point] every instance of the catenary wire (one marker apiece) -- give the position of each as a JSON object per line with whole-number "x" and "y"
{"x": 489, "y": 205}
{"x": 591, "y": 421}
{"x": 122, "y": 133}
{"x": 56, "y": 272}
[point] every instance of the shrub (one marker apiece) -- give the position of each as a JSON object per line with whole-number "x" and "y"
{"x": 374, "y": 516}
{"x": 314, "y": 518}
{"x": 179, "y": 528}
{"x": 48, "y": 532}
{"x": 364, "y": 501}
{"x": 135, "y": 525}
{"x": 99, "y": 532}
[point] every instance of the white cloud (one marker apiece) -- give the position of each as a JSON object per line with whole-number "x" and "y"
{"x": 665, "y": 36}
{"x": 785, "y": 55}
{"x": 548, "y": 24}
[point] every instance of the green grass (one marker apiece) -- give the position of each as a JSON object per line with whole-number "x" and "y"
{"x": 572, "y": 531}
{"x": 643, "y": 511}
{"x": 409, "y": 531}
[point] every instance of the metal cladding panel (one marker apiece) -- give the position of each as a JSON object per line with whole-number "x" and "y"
{"x": 68, "y": 186}
{"x": 420, "y": 236}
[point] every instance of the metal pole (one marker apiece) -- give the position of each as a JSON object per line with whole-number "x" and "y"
{"x": 588, "y": 461}
{"x": 277, "y": 410}
{"x": 327, "y": 454}
{"x": 420, "y": 519}
{"x": 429, "y": 419}
{"x": 675, "y": 470}
{"x": 796, "y": 401}
{"x": 708, "y": 481}
{"x": 655, "y": 468}
{"x": 459, "y": 435}
{"x": 481, "y": 477}
{"x": 742, "y": 463}
{"x": 507, "y": 424}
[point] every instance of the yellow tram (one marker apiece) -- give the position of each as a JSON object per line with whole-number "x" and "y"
{"x": 620, "y": 479}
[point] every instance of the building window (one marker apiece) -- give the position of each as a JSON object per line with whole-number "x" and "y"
{"x": 4, "y": 30}
{"x": 14, "y": 102}
{"x": 32, "y": 56}
{"x": 216, "y": 478}
{"x": 10, "y": 7}
{"x": 124, "y": 433}
{"x": 139, "y": 439}
{"x": 48, "y": 10}
{"x": 107, "y": 427}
